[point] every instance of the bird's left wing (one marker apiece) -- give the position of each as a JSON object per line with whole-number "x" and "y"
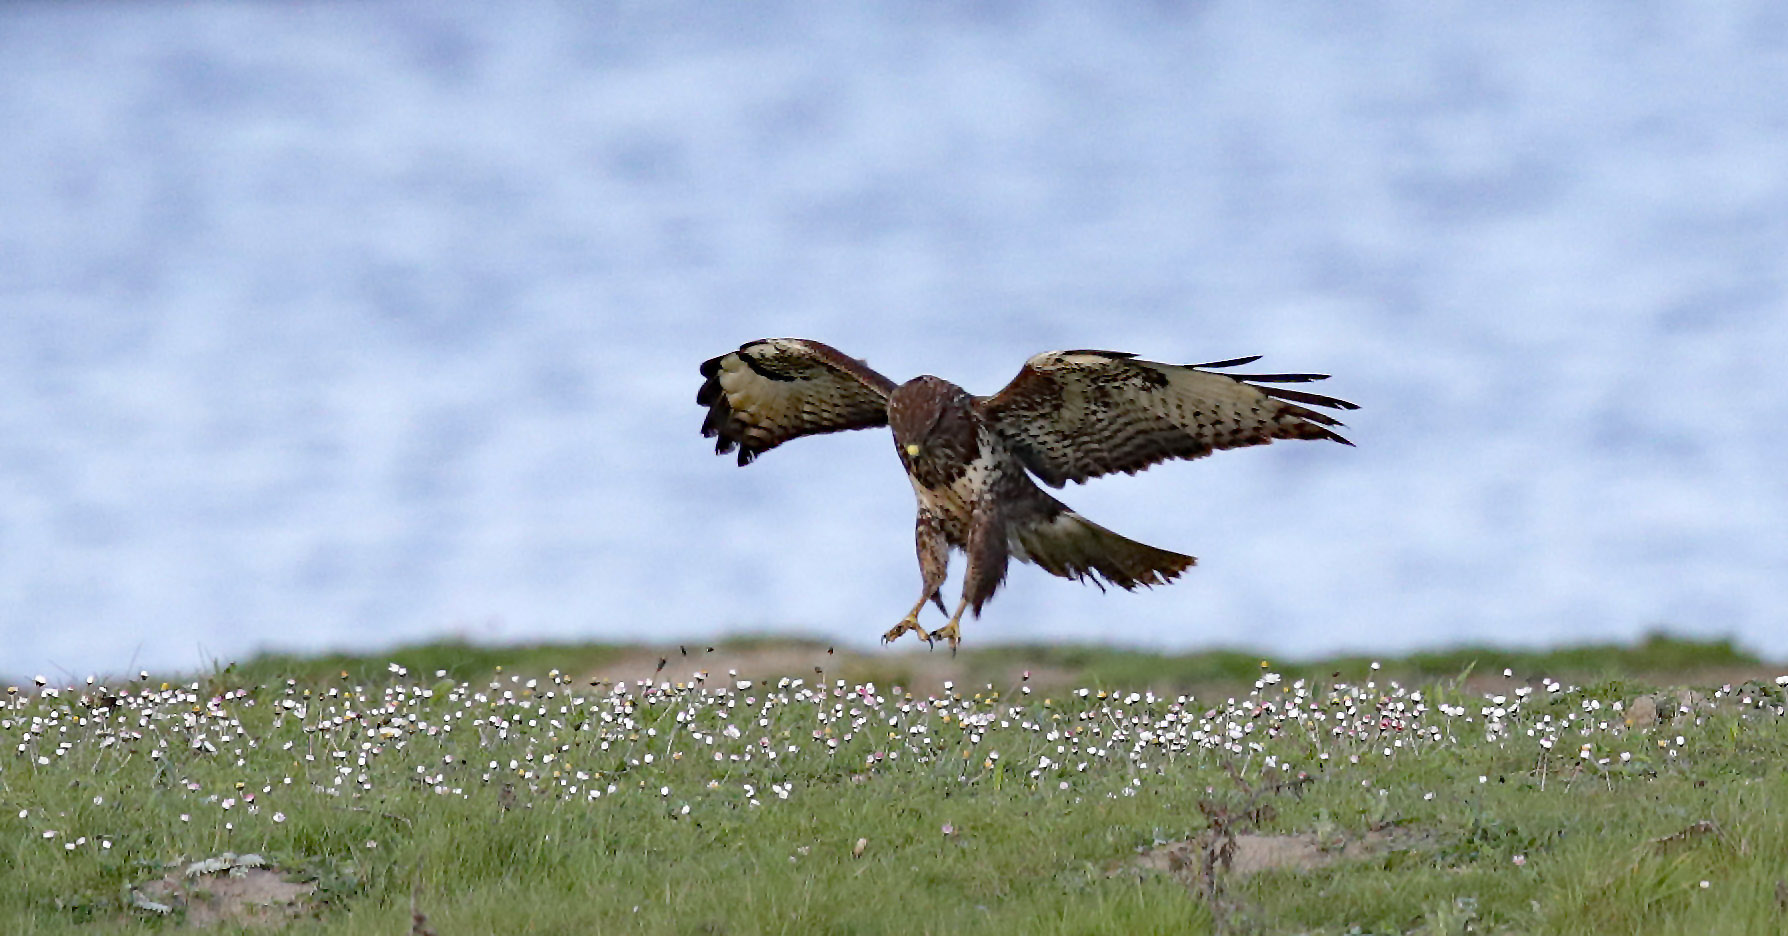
{"x": 1074, "y": 415}
{"x": 777, "y": 389}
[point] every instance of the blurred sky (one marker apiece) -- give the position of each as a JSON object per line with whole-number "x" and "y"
{"x": 349, "y": 324}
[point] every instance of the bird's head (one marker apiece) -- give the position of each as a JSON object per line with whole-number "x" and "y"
{"x": 932, "y": 417}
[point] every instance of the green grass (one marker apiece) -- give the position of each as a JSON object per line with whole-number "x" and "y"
{"x": 380, "y": 788}
{"x": 1099, "y": 666}
{"x": 457, "y": 659}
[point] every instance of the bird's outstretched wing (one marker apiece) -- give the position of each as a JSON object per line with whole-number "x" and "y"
{"x": 1074, "y": 415}
{"x": 777, "y": 389}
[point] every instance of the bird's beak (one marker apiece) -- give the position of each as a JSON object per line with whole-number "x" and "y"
{"x": 912, "y": 449}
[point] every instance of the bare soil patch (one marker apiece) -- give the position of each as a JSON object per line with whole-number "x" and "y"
{"x": 920, "y": 670}
{"x": 225, "y": 890}
{"x": 1256, "y": 852}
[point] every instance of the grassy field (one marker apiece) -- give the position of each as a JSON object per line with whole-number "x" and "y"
{"x": 457, "y": 790}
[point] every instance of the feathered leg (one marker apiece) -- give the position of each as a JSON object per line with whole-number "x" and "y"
{"x": 934, "y": 564}
{"x": 986, "y": 568}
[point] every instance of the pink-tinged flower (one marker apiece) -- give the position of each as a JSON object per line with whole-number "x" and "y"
{"x": 949, "y": 829}
{"x": 1520, "y": 860}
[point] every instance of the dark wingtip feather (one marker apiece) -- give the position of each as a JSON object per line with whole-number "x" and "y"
{"x": 1115, "y": 355}
{"x": 1232, "y": 362}
{"x": 1308, "y": 399}
{"x": 720, "y": 412}
{"x": 1296, "y": 396}
{"x": 1278, "y": 378}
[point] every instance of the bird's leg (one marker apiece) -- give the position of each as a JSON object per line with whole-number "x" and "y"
{"x": 951, "y": 632}
{"x": 934, "y": 559}
{"x": 987, "y": 559}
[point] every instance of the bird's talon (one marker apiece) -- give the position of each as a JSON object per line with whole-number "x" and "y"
{"x": 911, "y": 623}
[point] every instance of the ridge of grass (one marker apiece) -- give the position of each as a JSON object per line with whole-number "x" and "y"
{"x": 503, "y": 801}
{"x": 1656, "y": 653}
{"x": 1656, "y": 656}
{"x": 455, "y": 659}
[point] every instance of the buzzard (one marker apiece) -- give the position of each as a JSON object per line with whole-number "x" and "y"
{"x": 1067, "y": 416}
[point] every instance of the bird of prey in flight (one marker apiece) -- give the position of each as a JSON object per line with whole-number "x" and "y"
{"x": 1067, "y": 416}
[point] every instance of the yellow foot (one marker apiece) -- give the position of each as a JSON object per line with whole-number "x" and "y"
{"x": 910, "y": 624}
{"x": 947, "y": 632}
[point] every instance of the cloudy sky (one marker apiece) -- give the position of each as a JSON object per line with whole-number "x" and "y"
{"x": 346, "y": 325}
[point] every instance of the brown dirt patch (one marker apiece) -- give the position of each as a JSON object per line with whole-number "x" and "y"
{"x": 1256, "y": 852}
{"x": 240, "y": 892}
{"x": 916, "y": 671}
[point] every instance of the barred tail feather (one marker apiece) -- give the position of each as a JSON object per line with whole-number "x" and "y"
{"x": 1073, "y": 547}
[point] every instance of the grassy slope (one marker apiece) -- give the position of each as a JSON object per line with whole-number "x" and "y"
{"x": 1022, "y": 854}
{"x": 1657, "y": 658}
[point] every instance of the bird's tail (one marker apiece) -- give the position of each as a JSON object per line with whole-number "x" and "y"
{"x": 1071, "y": 546}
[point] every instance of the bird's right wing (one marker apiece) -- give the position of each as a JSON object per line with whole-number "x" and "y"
{"x": 777, "y": 389}
{"x": 1074, "y": 415}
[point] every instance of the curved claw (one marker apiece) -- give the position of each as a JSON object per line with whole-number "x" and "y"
{"x": 910, "y": 623}
{"x": 948, "y": 632}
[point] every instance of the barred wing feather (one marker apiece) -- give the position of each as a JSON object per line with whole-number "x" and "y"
{"x": 777, "y": 389}
{"x": 1075, "y": 415}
